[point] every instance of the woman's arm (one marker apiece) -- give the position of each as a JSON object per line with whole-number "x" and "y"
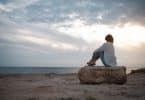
{"x": 101, "y": 48}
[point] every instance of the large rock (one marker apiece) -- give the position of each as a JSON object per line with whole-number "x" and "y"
{"x": 98, "y": 74}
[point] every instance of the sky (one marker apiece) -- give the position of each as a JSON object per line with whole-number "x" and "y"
{"x": 66, "y": 32}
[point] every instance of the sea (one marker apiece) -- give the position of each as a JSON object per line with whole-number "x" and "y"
{"x": 44, "y": 70}
{"x": 38, "y": 70}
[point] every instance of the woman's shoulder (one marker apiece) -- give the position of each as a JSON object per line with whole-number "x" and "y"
{"x": 108, "y": 43}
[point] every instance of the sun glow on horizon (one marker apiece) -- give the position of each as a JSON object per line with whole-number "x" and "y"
{"x": 129, "y": 35}
{"x": 126, "y": 36}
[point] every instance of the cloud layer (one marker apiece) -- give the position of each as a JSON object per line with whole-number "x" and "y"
{"x": 64, "y": 32}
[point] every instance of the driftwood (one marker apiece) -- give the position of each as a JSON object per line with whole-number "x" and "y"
{"x": 97, "y": 74}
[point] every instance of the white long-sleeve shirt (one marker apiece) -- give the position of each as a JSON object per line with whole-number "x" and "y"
{"x": 109, "y": 53}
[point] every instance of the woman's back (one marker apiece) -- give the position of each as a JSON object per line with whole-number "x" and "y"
{"x": 106, "y": 52}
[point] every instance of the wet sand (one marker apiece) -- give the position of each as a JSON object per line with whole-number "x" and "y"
{"x": 67, "y": 87}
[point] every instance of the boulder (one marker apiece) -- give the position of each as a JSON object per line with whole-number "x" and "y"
{"x": 99, "y": 74}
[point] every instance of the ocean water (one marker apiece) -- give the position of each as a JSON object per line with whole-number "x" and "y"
{"x": 38, "y": 70}
{"x": 43, "y": 70}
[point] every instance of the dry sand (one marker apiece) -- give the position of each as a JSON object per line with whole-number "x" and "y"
{"x": 67, "y": 87}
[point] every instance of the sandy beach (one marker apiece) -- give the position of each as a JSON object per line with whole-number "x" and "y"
{"x": 67, "y": 87}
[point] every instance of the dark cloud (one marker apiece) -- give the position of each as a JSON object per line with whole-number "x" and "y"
{"x": 54, "y": 11}
{"x": 5, "y": 1}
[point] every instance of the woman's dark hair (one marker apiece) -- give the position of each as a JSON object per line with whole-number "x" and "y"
{"x": 109, "y": 38}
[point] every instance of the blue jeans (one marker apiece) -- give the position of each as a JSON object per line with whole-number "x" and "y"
{"x": 100, "y": 54}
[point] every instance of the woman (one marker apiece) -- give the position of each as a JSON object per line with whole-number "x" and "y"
{"x": 106, "y": 52}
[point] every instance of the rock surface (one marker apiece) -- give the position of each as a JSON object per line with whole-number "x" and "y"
{"x": 98, "y": 74}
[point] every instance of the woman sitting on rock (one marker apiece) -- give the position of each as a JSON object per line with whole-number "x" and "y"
{"x": 106, "y": 53}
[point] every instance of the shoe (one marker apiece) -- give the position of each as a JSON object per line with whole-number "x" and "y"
{"x": 90, "y": 64}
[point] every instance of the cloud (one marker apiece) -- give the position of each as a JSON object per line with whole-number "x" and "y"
{"x": 109, "y": 12}
{"x": 40, "y": 34}
{"x": 37, "y": 44}
{"x": 131, "y": 57}
{"x": 10, "y": 5}
{"x": 67, "y": 31}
